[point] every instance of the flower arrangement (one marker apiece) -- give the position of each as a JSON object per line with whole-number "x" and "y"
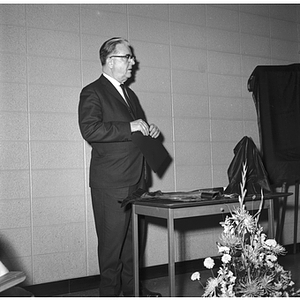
{"x": 249, "y": 265}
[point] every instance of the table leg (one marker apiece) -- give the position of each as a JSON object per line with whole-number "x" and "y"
{"x": 281, "y": 218}
{"x": 296, "y": 216}
{"x": 271, "y": 218}
{"x": 135, "y": 251}
{"x": 171, "y": 252}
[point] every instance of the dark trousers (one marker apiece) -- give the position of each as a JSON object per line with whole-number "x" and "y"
{"x": 113, "y": 227}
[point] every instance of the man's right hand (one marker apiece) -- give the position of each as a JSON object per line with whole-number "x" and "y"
{"x": 140, "y": 125}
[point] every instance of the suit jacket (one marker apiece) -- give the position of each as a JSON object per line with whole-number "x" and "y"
{"x": 104, "y": 123}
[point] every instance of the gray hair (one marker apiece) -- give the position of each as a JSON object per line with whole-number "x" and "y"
{"x": 109, "y": 47}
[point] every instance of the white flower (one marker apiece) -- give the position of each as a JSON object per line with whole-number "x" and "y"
{"x": 271, "y": 243}
{"x": 224, "y": 249}
{"x": 232, "y": 279}
{"x": 261, "y": 256}
{"x": 263, "y": 237}
{"x": 226, "y": 258}
{"x": 195, "y": 276}
{"x": 209, "y": 263}
{"x": 271, "y": 257}
{"x": 210, "y": 290}
{"x": 269, "y": 264}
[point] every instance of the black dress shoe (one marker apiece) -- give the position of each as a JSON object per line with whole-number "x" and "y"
{"x": 143, "y": 293}
{"x": 146, "y": 293}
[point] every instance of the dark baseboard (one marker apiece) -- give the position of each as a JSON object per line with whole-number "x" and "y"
{"x": 92, "y": 282}
{"x": 63, "y": 287}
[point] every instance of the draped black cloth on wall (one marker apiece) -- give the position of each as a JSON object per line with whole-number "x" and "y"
{"x": 276, "y": 94}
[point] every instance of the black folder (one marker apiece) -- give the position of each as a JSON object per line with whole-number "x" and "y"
{"x": 153, "y": 150}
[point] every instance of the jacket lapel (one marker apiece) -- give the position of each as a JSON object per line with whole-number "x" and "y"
{"x": 111, "y": 89}
{"x": 114, "y": 92}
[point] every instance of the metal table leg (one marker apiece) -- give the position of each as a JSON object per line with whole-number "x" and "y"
{"x": 281, "y": 219}
{"x": 135, "y": 251}
{"x": 171, "y": 252}
{"x": 271, "y": 218}
{"x": 296, "y": 216}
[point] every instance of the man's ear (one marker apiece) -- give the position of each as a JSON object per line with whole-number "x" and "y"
{"x": 109, "y": 62}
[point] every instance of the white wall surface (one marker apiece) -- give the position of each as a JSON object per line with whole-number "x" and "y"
{"x": 194, "y": 63}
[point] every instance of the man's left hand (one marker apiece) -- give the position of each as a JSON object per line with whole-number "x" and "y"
{"x": 154, "y": 131}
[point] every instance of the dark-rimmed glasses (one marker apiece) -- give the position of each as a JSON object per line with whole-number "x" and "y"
{"x": 127, "y": 57}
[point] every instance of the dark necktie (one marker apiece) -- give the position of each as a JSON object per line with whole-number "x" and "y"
{"x": 127, "y": 99}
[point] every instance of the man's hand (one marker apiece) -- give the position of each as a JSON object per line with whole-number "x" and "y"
{"x": 154, "y": 131}
{"x": 142, "y": 126}
{"x": 139, "y": 125}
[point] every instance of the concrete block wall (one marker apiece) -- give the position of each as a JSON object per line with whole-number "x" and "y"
{"x": 194, "y": 63}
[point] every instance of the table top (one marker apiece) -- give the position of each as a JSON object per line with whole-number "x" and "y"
{"x": 167, "y": 203}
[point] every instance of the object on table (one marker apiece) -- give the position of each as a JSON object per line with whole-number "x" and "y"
{"x": 195, "y": 195}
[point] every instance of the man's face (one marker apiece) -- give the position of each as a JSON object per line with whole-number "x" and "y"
{"x": 121, "y": 67}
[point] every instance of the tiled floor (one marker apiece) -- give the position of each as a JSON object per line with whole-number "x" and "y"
{"x": 187, "y": 288}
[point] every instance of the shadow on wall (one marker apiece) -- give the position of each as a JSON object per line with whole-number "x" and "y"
{"x": 6, "y": 254}
{"x": 8, "y": 268}
{"x": 7, "y": 257}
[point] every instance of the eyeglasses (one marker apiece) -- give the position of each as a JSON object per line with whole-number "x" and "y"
{"x": 127, "y": 57}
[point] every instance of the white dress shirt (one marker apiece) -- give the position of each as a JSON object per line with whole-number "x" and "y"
{"x": 116, "y": 84}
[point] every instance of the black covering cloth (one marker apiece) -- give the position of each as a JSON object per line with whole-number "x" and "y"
{"x": 276, "y": 94}
{"x": 245, "y": 152}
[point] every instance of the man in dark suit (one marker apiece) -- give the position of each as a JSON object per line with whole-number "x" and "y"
{"x": 108, "y": 115}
